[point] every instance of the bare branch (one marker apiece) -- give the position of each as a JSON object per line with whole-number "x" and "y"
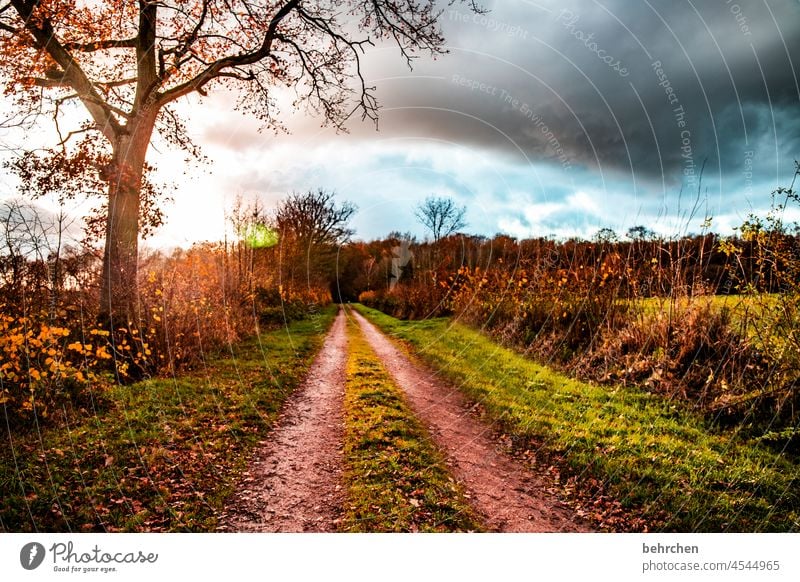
{"x": 117, "y": 83}
{"x": 214, "y": 69}
{"x": 51, "y": 83}
{"x": 99, "y": 45}
{"x": 181, "y": 49}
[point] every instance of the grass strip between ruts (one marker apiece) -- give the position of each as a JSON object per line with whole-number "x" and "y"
{"x": 396, "y": 479}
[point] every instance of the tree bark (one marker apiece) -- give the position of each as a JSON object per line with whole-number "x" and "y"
{"x": 119, "y": 291}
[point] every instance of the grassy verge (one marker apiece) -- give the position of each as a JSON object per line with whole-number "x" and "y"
{"x": 165, "y": 453}
{"x": 396, "y": 478}
{"x": 655, "y": 459}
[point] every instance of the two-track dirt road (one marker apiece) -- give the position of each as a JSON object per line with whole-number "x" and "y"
{"x": 294, "y": 483}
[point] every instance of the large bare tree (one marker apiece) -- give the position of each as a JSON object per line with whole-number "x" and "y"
{"x": 124, "y": 62}
{"x": 315, "y": 218}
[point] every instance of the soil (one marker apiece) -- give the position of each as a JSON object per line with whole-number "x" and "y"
{"x": 508, "y": 496}
{"x": 294, "y": 482}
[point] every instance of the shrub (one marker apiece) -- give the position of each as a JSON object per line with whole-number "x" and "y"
{"x": 368, "y": 298}
{"x": 45, "y": 366}
{"x": 188, "y": 307}
{"x": 274, "y": 306}
{"x": 689, "y": 351}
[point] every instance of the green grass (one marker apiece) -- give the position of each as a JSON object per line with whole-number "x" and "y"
{"x": 164, "y": 453}
{"x": 396, "y": 479}
{"x": 657, "y": 460}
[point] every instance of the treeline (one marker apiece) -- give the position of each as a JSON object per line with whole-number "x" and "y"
{"x": 693, "y": 265}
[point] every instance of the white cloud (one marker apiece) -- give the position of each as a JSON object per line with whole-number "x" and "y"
{"x": 581, "y": 202}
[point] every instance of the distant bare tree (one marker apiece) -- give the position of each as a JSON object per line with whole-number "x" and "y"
{"x": 605, "y": 236}
{"x": 640, "y": 233}
{"x": 314, "y": 218}
{"x": 441, "y": 216}
{"x": 310, "y": 228}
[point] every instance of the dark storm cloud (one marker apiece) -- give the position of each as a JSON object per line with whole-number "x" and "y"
{"x": 647, "y": 89}
{"x": 557, "y": 118}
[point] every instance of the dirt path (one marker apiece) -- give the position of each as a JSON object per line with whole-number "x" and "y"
{"x": 294, "y": 482}
{"x": 503, "y": 491}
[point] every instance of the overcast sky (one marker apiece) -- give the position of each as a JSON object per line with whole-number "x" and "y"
{"x": 545, "y": 118}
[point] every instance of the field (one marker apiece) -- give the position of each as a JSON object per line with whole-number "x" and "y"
{"x": 750, "y": 314}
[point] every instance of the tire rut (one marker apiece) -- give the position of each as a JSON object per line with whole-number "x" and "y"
{"x": 294, "y": 482}
{"x": 508, "y": 496}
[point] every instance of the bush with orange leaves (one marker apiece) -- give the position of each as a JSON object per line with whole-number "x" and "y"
{"x": 45, "y": 366}
{"x": 368, "y": 298}
{"x": 192, "y": 303}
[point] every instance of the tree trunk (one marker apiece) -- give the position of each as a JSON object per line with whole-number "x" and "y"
{"x": 119, "y": 291}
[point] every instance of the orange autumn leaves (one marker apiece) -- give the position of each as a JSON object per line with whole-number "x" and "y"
{"x": 39, "y": 361}
{"x": 52, "y": 355}
{"x": 101, "y": 37}
{"x": 191, "y": 304}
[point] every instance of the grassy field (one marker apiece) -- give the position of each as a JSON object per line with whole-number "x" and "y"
{"x": 656, "y": 459}
{"x": 750, "y": 314}
{"x": 396, "y": 479}
{"x": 736, "y": 303}
{"x": 162, "y": 454}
